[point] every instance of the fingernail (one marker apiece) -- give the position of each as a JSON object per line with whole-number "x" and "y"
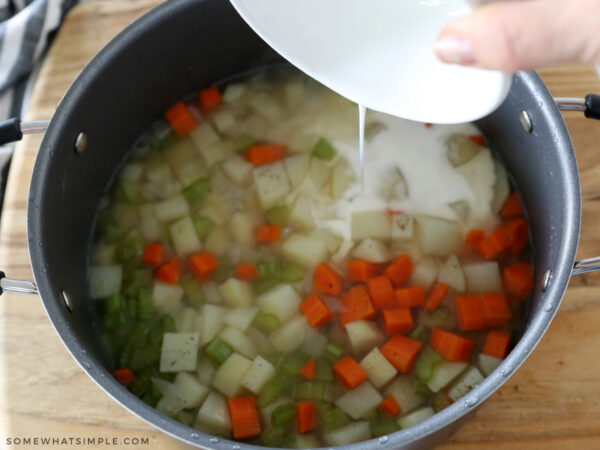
{"x": 454, "y": 50}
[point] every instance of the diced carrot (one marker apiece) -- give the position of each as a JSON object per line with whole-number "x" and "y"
{"x": 400, "y": 270}
{"x": 494, "y": 244}
{"x": 516, "y": 233}
{"x": 390, "y": 406}
{"x": 167, "y": 274}
{"x": 478, "y": 139}
{"x": 512, "y": 206}
{"x": 349, "y": 372}
{"x": 397, "y": 320}
{"x": 357, "y": 306}
{"x": 451, "y": 346}
{"x": 306, "y": 419}
{"x": 469, "y": 312}
{"x": 428, "y": 125}
{"x": 203, "y": 265}
{"x": 497, "y": 344}
{"x": 394, "y": 212}
{"x": 326, "y": 280}
{"x": 266, "y": 234}
{"x": 518, "y": 280}
{"x": 496, "y": 312}
{"x": 153, "y": 254}
{"x": 244, "y": 417}
{"x": 316, "y": 311}
{"x": 180, "y": 119}
{"x": 209, "y": 98}
{"x": 360, "y": 270}
{"x": 381, "y": 292}
{"x": 259, "y": 155}
{"x": 472, "y": 239}
{"x": 410, "y": 296}
{"x": 309, "y": 369}
{"x": 401, "y": 352}
{"x": 125, "y": 376}
{"x": 176, "y": 263}
{"x": 246, "y": 271}
{"x": 436, "y": 295}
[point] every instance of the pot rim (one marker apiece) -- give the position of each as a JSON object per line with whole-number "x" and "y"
{"x": 538, "y": 323}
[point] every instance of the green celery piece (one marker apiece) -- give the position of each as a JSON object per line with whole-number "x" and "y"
{"x": 269, "y": 269}
{"x": 114, "y": 303}
{"x": 242, "y": 144}
{"x": 293, "y": 364}
{"x": 152, "y": 397}
{"x": 384, "y": 428}
{"x": 193, "y": 291}
{"x": 440, "y": 401}
{"x": 203, "y": 226}
{"x": 288, "y": 442}
{"x": 425, "y": 364}
{"x": 292, "y": 272}
{"x": 333, "y": 351}
{"x": 165, "y": 233}
{"x": 373, "y": 416}
{"x": 283, "y": 414}
{"x": 438, "y": 318}
{"x": 218, "y": 350}
{"x": 278, "y": 215}
{"x": 330, "y": 416}
{"x": 167, "y": 324}
{"x": 422, "y": 390}
{"x": 324, "y": 371}
{"x": 309, "y": 391}
{"x": 144, "y": 304}
{"x": 223, "y": 271}
{"x": 271, "y": 391}
{"x": 276, "y": 359}
{"x": 129, "y": 250}
{"x": 197, "y": 191}
{"x": 145, "y": 357}
{"x": 136, "y": 280}
{"x": 266, "y": 322}
{"x": 324, "y": 150}
{"x": 273, "y": 435}
{"x": 265, "y": 284}
{"x": 130, "y": 192}
{"x": 419, "y": 333}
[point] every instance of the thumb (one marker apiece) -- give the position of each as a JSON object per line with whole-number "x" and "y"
{"x": 511, "y": 36}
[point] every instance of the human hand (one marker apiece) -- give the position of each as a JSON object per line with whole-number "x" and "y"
{"x": 523, "y": 35}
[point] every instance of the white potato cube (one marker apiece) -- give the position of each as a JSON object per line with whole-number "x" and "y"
{"x": 349, "y": 434}
{"x": 258, "y": 374}
{"x": 372, "y": 250}
{"x": 212, "y": 316}
{"x": 415, "y": 417}
{"x": 483, "y": 277}
{"x": 229, "y": 375}
{"x": 217, "y": 241}
{"x": 488, "y": 363}
{"x": 234, "y": 92}
{"x": 167, "y": 297}
{"x": 465, "y": 383}
{"x": 301, "y": 214}
{"x": 242, "y": 226}
{"x": 291, "y": 335}
{"x": 439, "y": 237}
{"x": 425, "y": 273}
{"x": 404, "y": 391}
{"x": 364, "y": 335}
{"x": 359, "y": 400}
{"x": 319, "y": 172}
{"x": 171, "y": 209}
{"x": 179, "y": 352}
{"x": 105, "y": 280}
{"x": 341, "y": 178}
{"x": 224, "y": 120}
{"x": 216, "y": 153}
{"x": 282, "y": 300}
{"x": 444, "y": 373}
{"x": 378, "y": 368}
{"x": 271, "y": 184}
{"x": 296, "y": 167}
{"x": 239, "y": 342}
{"x": 304, "y": 250}
{"x": 190, "y": 389}
{"x": 237, "y": 169}
{"x": 204, "y": 136}
{"x": 189, "y": 172}
{"x": 214, "y": 413}
{"x": 241, "y": 318}
{"x": 265, "y": 346}
{"x": 184, "y": 237}
{"x": 370, "y": 224}
{"x": 236, "y": 293}
{"x": 331, "y": 240}
{"x": 452, "y": 274}
{"x": 402, "y": 226}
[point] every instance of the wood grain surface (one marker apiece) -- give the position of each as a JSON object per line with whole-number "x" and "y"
{"x": 551, "y": 402}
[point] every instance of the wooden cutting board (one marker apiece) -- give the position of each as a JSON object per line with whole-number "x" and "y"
{"x": 551, "y": 402}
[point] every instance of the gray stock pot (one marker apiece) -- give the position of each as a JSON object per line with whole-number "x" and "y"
{"x": 184, "y": 45}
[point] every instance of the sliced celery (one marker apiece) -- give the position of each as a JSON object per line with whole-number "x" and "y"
{"x": 333, "y": 351}
{"x": 324, "y": 150}
{"x": 384, "y": 427}
{"x": 269, "y": 269}
{"x": 438, "y": 318}
{"x": 266, "y": 322}
{"x": 419, "y": 333}
{"x": 218, "y": 350}
{"x": 324, "y": 371}
{"x": 143, "y": 357}
{"x": 193, "y": 291}
{"x": 278, "y": 215}
{"x": 292, "y": 272}
{"x": 271, "y": 391}
{"x": 203, "y": 226}
{"x": 283, "y": 414}
{"x": 114, "y": 303}
{"x": 422, "y": 390}
{"x": 167, "y": 324}
{"x": 276, "y": 359}
{"x": 273, "y": 436}
{"x": 425, "y": 364}
{"x": 144, "y": 304}
{"x": 293, "y": 364}
{"x": 135, "y": 281}
{"x": 196, "y": 192}
{"x": 130, "y": 192}
{"x": 309, "y": 391}
{"x": 242, "y": 144}
{"x": 330, "y": 416}
{"x": 265, "y": 284}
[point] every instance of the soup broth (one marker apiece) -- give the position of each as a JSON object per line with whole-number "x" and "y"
{"x": 249, "y": 288}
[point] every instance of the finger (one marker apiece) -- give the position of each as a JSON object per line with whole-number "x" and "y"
{"x": 511, "y": 36}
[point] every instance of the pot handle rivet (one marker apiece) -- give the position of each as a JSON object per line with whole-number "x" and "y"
{"x": 81, "y": 142}
{"x": 526, "y": 121}
{"x": 68, "y": 300}
{"x": 546, "y": 278}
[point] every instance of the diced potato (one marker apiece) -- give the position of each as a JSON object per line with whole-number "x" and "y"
{"x": 265, "y": 346}
{"x": 402, "y": 226}
{"x": 370, "y": 224}
{"x": 439, "y": 237}
{"x": 378, "y": 368}
{"x": 341, "y": 178}
{"x": 461, "y": 208}
{"x": 461, "y": 149}
{"x": 242, "y": 226}
{"x": 184, "y": 237}
{"x": 216, "y": 153}
{"x": 444, "y": 373}
{"x": 301, "y": 214}
{"x": 465, "y": 383}
{"x": 213, "y": 316}
{"x": 179, "y": 352}
{"x": 479, "y": 173}
{"x": 349, "y": 434}
{"x": 158, "y": 173}
{"x": 483, "y": 277}
{"x": 185, "y": 320}
{"x": 291, "y": 335}
{"x": 189, "y": 172}
{"x": 314, "y": 343}
{"x": 282, "y": 300}
{"x": 204, "y": 136}
{"x": 132, "y": 173}
{"x": 404, "y": 390}
{"x": 167, "y": 297}
{"x": 319, "y": 172}
{"x": 372, "y": 250}
{"x": 304, "y": 250}
{"x": 234, "y": 92}
{"x": 296, "y": 167}
{"x": 104, "y": 255}
{"x": 150, "y": 230}
{"x": 211, "y": 292}
{"x": 240, "y": 317}
{"x": 181, "y": 152}
{"x": 451, "y": 273}
{"x": 254, "y": 126}
{"x": 229, "y": 375}
{"x": 171, "y": 401}
{"x": 190, "y": 389}
{"x": 364, "y": 335}
{"x": 224, "y": 120}
{"x": 258, "y": 374}
{"x": 307, "y": 441}
{"x": 294, "y": 93}
{"x": 217, "y": 242}
{"x": 271, "y": 183}
{"x": 501, "y": 187}
{"x": 359, "y": 400}
{"x": 217, "y": 209}
{"x": 237, "y": 169}
{"x": 263, "y": 104}
{"x": 205, "y": 371}
{"x": 425, "y": 273}
{"x": 171, "y": 209}
{"x": 214, "y": 413}
{"x": 237, "y": 293}
{"x": 331, "y": 240}
{"x": 415, "y": 417}
{"x": 105, "y": 280}
{"x": 488, "y": 363}
{"x": 239, "y": 342}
